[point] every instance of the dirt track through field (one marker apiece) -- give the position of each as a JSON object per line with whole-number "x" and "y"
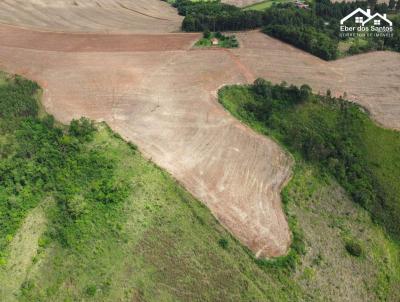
{"x": 165, "y": 102}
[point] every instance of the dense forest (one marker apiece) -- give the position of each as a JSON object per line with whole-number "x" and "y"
{"x": 216, "y": 16}
{"x": 315, "y": 30}
{"x": 336, "y": 135}
{"x": 303, "y": 29}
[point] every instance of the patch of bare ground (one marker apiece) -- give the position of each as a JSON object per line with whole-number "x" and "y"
{"x": 165, "y": 102}
{"x": 117, "y": 16}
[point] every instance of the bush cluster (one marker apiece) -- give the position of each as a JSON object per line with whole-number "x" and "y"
{"x": 353, "y": 248}
{"x": 39, "y": 159}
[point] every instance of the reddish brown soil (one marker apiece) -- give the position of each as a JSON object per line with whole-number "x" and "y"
{"x": 25, "y": 38}
{"x": 165, "y": 101}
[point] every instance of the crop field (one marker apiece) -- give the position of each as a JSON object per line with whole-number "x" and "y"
{"x": 126, "y": 63}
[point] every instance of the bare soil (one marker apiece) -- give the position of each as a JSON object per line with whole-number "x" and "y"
{"x": 116, "y": 16}
{"x": 165, "y": 102}
{"x": 26, "y": 38}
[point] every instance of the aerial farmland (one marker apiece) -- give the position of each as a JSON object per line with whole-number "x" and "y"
{"x": 141, "y": 165}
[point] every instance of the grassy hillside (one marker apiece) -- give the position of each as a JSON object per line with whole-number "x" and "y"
{"x": 85, "y": 217}
{"x": 334, "y": 137}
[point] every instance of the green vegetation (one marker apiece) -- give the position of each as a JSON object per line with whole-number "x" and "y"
{"x": 39, "y": 160}
{"x": 354, "y": 248}
{"x": 301, "y": 28}
{"x": 102, "y": 223}
{"x": 223, "y": 41}
{"x": 263, "y": 5}
{"x": 353, "y": 46}
{"x": 336, "y": 137}
{"x": 315, "y": 30}
{"x": 334, "y": 134}
{"x": 215, "y": 16}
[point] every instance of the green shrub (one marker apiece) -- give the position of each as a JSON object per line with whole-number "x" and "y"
{"x": 82, "y": 128}
{"x": 353, "y": 248}
{"x": 223, "y": 243}
{"x": 207, "y": 34}
{"x": 18, "y": 98}
{"x": 91, "y": 290}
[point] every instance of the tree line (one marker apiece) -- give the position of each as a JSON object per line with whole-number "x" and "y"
{"x": 216, "y": 16}
{"x": 315, "y": 30}
{"x": 301, "y": 28}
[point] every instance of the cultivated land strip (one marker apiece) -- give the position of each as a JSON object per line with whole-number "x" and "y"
{"x": 165, "y": 102}
{"x": 122, "y": 16}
